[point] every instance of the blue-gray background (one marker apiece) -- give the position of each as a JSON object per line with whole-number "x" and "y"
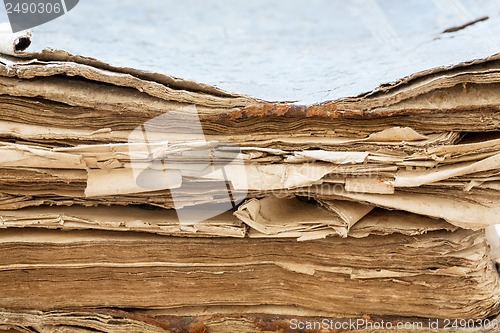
{"x": 308, "y": 51}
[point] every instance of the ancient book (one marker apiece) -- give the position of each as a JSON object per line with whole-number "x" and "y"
{"x": 136, "y": 201}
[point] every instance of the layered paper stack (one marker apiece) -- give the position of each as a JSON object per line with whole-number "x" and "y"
{"x": 134, "y": 201}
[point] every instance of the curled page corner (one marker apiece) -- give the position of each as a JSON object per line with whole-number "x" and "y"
{"x": 13, "y": 43}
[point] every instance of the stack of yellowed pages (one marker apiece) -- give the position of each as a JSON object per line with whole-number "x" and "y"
{"x": 132, "y": 201}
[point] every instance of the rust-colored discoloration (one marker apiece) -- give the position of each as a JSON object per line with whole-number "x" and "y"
{"x": 279, "y": 110}
{"x": 269, "y": 110}
{"x": 272, "y": 323}
{"x": 177, "y": 324}
{"x": 329, "y": 110}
